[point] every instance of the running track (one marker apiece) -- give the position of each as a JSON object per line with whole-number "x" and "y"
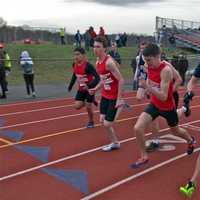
{"x": 46, "y": 153}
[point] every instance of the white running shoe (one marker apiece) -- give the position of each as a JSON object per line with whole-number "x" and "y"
{"x": 33, "y": 95}
{"x": 110, "y": 147}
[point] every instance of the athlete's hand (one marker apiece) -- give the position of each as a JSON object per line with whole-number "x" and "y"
{"x": 92, "y": 91}
{"x": 143, "y": 83}
{"x": 85, "y": 87}
{"x": 147, "y": 94}
{"x": 119, "y": 103}
{"x": 69, "y": 89}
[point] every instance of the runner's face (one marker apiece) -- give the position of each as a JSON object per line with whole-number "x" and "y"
{"x": 142, "y": 47}
{"x": 114, "y": 47}
{"x": 152, "y": 61}
{"x": 98, "y": 49}
{"x": 78, "y": 57}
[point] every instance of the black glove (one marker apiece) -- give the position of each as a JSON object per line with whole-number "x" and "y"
{"x": 69, "y": 88}
{"x": 188, "y": 97}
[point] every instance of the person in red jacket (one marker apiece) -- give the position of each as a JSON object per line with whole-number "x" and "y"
{"x": 93, "y": 35}
{"x": 101, "y": 32}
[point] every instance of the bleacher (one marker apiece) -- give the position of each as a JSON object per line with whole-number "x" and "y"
{"x": 189, "y": 38}
{"x": 186, "y": 33}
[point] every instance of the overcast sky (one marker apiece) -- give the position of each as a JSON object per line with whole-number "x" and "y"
{"x": 132, "y": 16}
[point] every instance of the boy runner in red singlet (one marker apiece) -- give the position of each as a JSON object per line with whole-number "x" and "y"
{"x": 111, "y": 90}
{"x": 87, "y": 78}
{"x": 160, "y": 87}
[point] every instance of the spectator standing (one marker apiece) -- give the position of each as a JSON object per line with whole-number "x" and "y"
{"x": 78, "y": 39}
{"x": 2, "y": 73}
{"x": 8, "y": 66}
{"x": 28, "y": 72}
{"x": 182, "y": 66}
{"x": 174, "y": 62}
{"x": 124, "y": 39}
{"x": 114, "y": 53}
{"x": 62, "y": 36}
{"x": 87, "y": 39}
{"x": 101, "y": 32}
{"x": 93, "y": 35}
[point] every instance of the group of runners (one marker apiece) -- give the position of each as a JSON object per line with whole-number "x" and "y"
{"x": 158, "y": 81}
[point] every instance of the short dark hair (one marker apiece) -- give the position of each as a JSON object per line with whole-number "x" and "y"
{"x": 152, "y": 50}
{"x": 143, "y": 43}
{"x": 102, "y": 40}
{"x": 80, "y": 50}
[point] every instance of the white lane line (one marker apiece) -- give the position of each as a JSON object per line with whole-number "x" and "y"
{"x": 68, "y": 116}
{"x": 194, "y": 128}
{"x": 52, "y": 100}
{"x": 44, "y": 109}
{"x": 60, "y": 117}
{"x": 74, "y": 156}
{"x": 56, "y": 107}
{"x": 35, "y": 102}
{"x": 130, "y": 178}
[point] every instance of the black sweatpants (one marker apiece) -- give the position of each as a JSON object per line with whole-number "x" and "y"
{"x": 29, "y": 81}
{"x": 3, "y": 81}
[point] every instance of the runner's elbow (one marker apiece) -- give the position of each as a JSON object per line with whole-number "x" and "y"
{"x": 121, "y": 81}
{"x": 164, "y": 97}
{"x": 179, "y": 81}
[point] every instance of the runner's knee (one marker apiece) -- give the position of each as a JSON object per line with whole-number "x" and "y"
{"x": 78, "y": 106}
{"x": 88, "y": 105}
{"x": 138, "y": 128}
{"x": 107, "y": 124}
{"x": 101, "y": 120}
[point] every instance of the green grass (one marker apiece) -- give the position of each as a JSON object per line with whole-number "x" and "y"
{"x": 50, "y": 71}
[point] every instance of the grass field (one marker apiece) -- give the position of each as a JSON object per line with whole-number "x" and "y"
{"x": 52, "y": 63}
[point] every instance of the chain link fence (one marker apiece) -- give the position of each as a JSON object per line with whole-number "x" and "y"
{"x": 53, "y": 75}
{"x": 57, "y": 70}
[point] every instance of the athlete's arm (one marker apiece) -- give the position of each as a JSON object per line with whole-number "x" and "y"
{"x": 194, "y": 79}
{"x": 91, "y": 70}
{"x": 166, "y": 78}
{"x": 112, "y": 67}
{"x": 176, "y": 76}
{"x": 192, "y": 83}
{"x": 73, "y": 80}
{"x": 92, "y": 91}
{"x": 190, "y": 87}
{"x": 136, "y": 70}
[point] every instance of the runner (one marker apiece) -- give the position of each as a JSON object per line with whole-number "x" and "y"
{"x": 111, "y": 91}
{"x": 141, "y": 72}
{"x": 155, "y": 144}
{"x": 160, "y": 87}
{"x": 141, "y": 75}
{"x": 87, "y": 78}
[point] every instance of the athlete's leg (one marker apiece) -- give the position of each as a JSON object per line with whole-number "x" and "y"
{"x": 107, "y": 117}
{"x": 190, "y": 187}
{"x": 142, "y": 123}
{"x": 90, "y": 115}
{"x": 80, "y": 99}
{"x": 79, "y": 104}
{"x": 154, "y": 144}
{"x": 111, "y": 132}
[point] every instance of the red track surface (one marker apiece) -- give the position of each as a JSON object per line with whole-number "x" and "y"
{"x": 57, "y": 125}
